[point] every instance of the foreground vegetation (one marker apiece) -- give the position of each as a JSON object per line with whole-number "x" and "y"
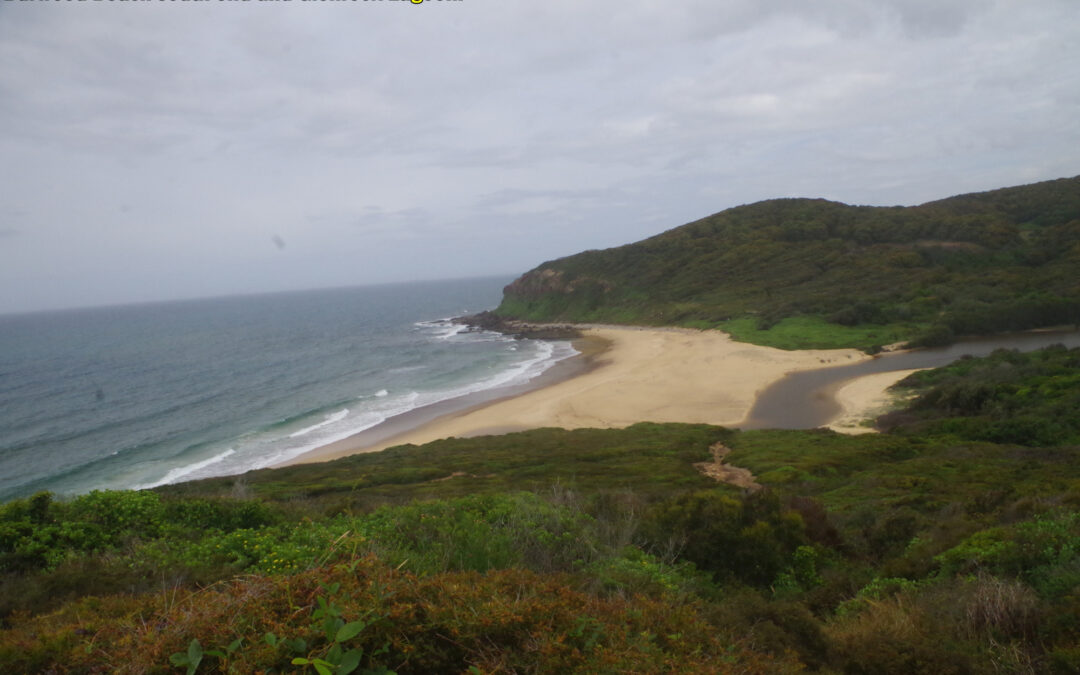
{"x": 859, "y": 276}
{"x": 931, "y": 548}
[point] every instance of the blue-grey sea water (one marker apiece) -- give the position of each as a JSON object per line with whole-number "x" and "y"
{"x": 137, "y": 396}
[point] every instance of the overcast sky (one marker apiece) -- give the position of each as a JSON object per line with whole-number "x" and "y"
{"x": 159, "y": 150}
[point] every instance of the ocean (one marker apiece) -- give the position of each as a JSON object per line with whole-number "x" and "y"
{"x": 143, "y": 395}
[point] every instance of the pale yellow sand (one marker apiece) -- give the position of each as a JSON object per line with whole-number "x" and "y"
{"x": 656, "y": 375}
{"x": 863, "y": 399}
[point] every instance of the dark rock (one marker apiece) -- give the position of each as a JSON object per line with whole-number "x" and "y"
{"x": 519, "y": 329}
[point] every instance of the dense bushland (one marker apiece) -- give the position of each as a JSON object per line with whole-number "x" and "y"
{"x": 859, "y": 276}
{"x": 924, "y": 550}
{"x": 1009, "y": 397}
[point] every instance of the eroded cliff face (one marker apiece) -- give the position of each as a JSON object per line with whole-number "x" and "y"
{"x": 536, "y": 283}
{"x": 540, "y": 282}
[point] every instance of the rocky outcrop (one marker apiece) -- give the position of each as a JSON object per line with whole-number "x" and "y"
{"x": 540, "y": 282}
{"x": 519, "y": 329}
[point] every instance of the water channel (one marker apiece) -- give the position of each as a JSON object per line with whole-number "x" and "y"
{"x": 807, "y": 400}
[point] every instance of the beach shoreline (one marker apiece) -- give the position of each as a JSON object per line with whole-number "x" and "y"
{"x": 864, "y": 398}
{"x": 398, "y": 430}
{"x": 624, "y": 375}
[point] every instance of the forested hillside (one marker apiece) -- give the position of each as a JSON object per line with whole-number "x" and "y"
{"x": 971, "y": 264}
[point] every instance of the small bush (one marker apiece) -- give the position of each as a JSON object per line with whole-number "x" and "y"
{"x": 749, "y": 538}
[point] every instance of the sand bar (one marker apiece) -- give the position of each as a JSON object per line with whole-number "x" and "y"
{"x": 644, "y": 374}
{"x": 864, "y": 398}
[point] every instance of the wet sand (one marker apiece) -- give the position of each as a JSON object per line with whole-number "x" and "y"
{"x": 864, "y": 398}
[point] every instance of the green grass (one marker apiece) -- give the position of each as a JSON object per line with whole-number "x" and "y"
{"x": 796, "y": 332}
{"x": 809, "y": 332}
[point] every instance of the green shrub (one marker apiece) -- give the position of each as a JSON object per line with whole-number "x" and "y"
{"x": 1044, "y": 550}
{"x": 480, "y": 533}
{"x": 219, "y": 514}
{"x": 634, "y": 572}
{"x": 40, "y": 534}
{"x": 750, "y": 539}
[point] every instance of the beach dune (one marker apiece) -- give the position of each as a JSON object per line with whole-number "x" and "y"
{"x": 639, "y": 374}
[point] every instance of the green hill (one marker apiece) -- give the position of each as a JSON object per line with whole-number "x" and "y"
{"x": 845, "y": 275}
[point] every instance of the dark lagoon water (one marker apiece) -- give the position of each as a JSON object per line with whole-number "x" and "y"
{"x": 127, "y": 397}
{"x": 806, "y": 400}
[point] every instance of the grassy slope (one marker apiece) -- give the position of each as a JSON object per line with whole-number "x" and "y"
{"x": 652, "y": 458}
{"x": 1000, "y": 260}
{"x": 589, "y": 550}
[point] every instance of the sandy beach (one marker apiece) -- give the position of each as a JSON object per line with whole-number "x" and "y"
{"x": 643, "y": 374}
{"x": 864, "y": 398}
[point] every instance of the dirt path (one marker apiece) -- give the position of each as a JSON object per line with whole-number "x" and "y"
{"x": 725, "y": 473}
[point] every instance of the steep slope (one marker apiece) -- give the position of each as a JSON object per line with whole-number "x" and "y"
{"x": 1001, "y": 260}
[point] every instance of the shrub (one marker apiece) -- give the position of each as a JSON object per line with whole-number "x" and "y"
{"x": 40, "y": 534}
{"x": 481, "y": 533}
{"x": 502, "y": 621}
{"x": 224, "y": 515}
{"x": 750, "y": 539}
{"x": 937, "y": 335}
{"x": 633, "y": 572}
{"x": 1044, "y": 550}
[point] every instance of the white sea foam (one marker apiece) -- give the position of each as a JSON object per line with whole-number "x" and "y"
{"x": 174, "y": 475}
{"x": 452, "y": 330}
{"x": 441, "y": 329}
{"x": 276, "y": 453}
{"x": 444, "y": 329}
{"x": 330, "y": 419}
{"x": 263, "y": 449}
{"x": 545, "y": 355}
{"x": 520, "y": 372}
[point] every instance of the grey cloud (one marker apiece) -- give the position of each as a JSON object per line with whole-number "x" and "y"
{"x": 524, "y": 201}
{"x": 500, "y": 131}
